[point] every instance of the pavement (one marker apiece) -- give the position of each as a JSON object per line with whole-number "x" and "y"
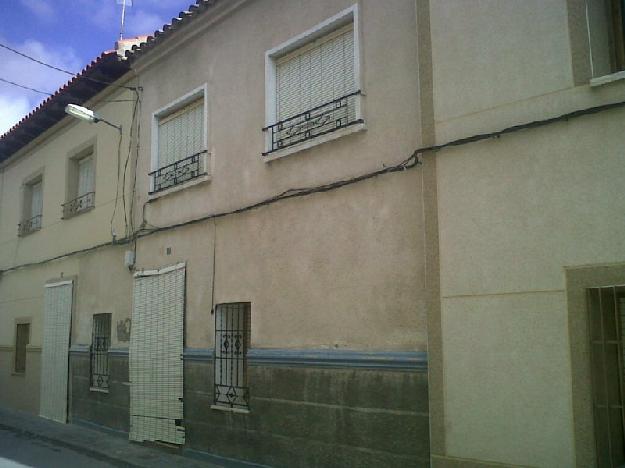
{"x": 28, "y": 440}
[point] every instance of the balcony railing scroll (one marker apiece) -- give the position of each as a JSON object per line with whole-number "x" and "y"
{"x": 178, "y": 172}
{"x": 320, "y": 120}
{"x": 78, "y": 205}
{"x": 29, "y": 225}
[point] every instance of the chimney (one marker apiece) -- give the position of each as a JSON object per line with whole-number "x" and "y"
{"x": 126, "y": 44}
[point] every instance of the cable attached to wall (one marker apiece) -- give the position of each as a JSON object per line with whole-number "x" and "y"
{"x": 408, "y": 163}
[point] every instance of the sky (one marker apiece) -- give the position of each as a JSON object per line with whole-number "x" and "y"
{"x": 68, "y": 34}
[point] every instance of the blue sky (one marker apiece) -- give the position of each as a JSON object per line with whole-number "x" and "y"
{"x": 65, "y": 33}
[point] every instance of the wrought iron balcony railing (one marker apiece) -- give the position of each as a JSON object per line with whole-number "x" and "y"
{"x": 178, "y": 172}
{"x": 78, "y": 205}
{"x": 29, "y": 225}
{"x": 326, "y": 118}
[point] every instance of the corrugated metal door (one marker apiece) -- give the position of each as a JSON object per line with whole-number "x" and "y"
{"x": 57, "y": 319}
{"x": 156, "y": 347}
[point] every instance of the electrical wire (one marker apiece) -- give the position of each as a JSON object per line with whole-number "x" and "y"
{"x": 4, "y": 80}
{"x": 62, "y": 70}
{"x": 408, "y": 163}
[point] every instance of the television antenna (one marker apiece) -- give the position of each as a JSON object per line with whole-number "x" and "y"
{"x": 124, "y": 4}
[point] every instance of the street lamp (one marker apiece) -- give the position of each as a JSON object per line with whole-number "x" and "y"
{"x": 87, "y": 115}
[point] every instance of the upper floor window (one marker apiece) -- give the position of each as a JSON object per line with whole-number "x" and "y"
{"x": 312, "y": 84}
{"x": 81, "y": 188}
{"x": 179, "y": 142}
{"x": 32, "y": 207}
{"x": 606, "y": 35}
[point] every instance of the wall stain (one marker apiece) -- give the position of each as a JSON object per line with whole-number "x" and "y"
{"x": 123, "y": 330}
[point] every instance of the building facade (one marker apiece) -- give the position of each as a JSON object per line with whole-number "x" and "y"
{"x": 293, "y": 330}
{"x": 331, "y": 233}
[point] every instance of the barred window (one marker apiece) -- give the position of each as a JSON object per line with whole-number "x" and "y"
{"x": 232, "y": 338}
{"x": 606, "y": 310}
{"x": 100, "y": 343}
{"x": 22, "y": 337}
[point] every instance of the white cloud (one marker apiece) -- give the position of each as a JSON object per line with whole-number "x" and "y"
{"x": 16, "y": 102}
{"x": 41, "y": 9}
{"x": 12, "y": 109}
{"x": 142, "y": 22}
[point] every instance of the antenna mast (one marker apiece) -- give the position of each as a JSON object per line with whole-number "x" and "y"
{"x": 123, "y": 3}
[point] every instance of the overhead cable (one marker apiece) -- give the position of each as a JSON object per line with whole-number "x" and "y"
{"x": 408, "y": 163}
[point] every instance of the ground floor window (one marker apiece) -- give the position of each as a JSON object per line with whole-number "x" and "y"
{"x": 606, "y": 308}
{"x": 232, "y": 338}
{"x": 100, "y": 343}
{"x": 22, "y": 337}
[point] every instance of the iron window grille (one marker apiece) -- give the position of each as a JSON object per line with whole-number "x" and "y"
{"x": 100, "y": 343}
{"x": 178, "y": 172}
{"x": 326, "y": 118}
{"x": 78, "y": 205}
{"x": 606, "y": 310}
{"x": 22, "y": 332}
{"x": 232, "y": 337}
{"x": 29, "y": 225}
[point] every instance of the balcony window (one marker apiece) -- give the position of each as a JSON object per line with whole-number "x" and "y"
{"x": 179, "y": 143}
{"x": 33, "y": 206}
{"x": 82, "y": 186}
{"x": 313, "y": 85}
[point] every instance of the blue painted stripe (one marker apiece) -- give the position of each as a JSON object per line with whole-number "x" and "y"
{"x": 334, "y": 358}
{"x": 198, "y": 354}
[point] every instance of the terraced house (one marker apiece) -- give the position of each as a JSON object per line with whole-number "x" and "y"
{"x": 330, "y": 233}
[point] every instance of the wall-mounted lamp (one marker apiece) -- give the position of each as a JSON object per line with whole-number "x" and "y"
{"x": 87, "y": 115}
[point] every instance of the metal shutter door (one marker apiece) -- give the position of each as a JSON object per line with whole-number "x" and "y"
{"x": 57, "y": 318}
{"x": 316, "y": 74}
{"x": 156, "y": 347}
{"x": 181, "y": 134}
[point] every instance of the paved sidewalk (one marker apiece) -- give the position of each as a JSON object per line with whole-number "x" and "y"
{"x": 105, "y": 447}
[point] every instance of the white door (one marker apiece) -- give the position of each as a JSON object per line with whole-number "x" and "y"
{"x": 57, "y": 319}
{"x": 156, "y": 347}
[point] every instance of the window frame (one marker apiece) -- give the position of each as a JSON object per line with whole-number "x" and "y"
{"x": 246, "y": 310}
{"x": 21, "y": 321}
{"x": 272, "y": 56}
{"x": 86, "y": 150}
{"x": 26, "y": 202}
{"x": 92, "y": 357}
{"x": 201, "y": 92}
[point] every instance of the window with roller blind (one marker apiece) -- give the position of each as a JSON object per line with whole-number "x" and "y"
{"x": 312, "y": 86}
{"x": 32, "y": 211}
{"x": 81, "y": 189}
{"x": 179, "y": 144}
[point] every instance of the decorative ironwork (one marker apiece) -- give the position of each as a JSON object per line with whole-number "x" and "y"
{"x": 232, "y": 328}
{"x": 178, "y": 172}
{"x": 100, "y": 343}
{"x": 78, "y": 205}
{"x": 29, "y": 225}
{"x": 326, "y": 118}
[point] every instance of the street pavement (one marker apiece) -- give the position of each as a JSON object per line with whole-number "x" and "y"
{"x": 31, "y": 441}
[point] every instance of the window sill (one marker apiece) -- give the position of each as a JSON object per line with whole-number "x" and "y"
{"x": 18, "y": 374}
{"x": 230, "y": 410}
{"x": 605, "y": 79}
{"x": 176, "y": 188}
{"x": 355, "y": 128}
{"x": 99, "y": 390}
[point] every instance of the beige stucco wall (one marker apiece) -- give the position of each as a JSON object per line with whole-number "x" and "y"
{"x": 99, "y": 276}
{"x": 340, "y": 269}
{"x": 513, "y": 212}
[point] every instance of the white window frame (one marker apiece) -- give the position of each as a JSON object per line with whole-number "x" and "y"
{"x": 175, "y": 105}
{"x": 349, "y": 15}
